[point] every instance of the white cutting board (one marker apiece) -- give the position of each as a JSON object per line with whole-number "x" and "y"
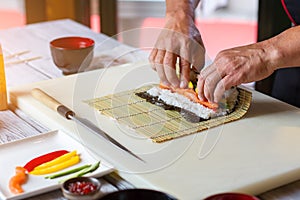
{"x": 254, "y": 154}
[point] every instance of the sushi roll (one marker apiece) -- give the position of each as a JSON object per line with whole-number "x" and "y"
{"x": 187, "y": 99}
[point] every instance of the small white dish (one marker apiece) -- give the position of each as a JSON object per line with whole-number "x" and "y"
{"x": 18, "y": 153}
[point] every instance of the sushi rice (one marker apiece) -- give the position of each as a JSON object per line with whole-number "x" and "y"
{"x": 226, "y": 105}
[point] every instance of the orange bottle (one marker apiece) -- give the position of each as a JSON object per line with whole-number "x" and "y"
{"x": 3, "y": 92}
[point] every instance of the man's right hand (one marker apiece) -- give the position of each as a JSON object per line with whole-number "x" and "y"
{"x": 181, "y": 39}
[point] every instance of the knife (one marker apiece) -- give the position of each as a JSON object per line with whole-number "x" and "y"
{"x": 70, "y": 115}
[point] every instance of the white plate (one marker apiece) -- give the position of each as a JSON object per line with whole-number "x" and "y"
{"x": 18, "y": 153}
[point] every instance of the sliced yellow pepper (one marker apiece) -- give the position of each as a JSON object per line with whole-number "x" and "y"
{"x": 191, "y": 85}
{"x": 59, "y": 166}
{"x": 196, "y": 90}
{"x": 56, "y": 161}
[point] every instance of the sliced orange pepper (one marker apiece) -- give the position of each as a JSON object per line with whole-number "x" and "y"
{"x": 191, "y": 95}
{"x": 16, "y": 182}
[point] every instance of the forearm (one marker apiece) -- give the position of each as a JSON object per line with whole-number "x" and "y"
{"x": 181, "y": 8}
{"x": 283, "y": 50}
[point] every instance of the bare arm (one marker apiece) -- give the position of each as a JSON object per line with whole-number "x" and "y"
{"x": 285, "y": 49}
{"x": 249, "y": 63}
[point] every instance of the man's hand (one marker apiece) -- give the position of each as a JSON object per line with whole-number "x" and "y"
{"x": 181, "y": 39}
{"x": 233, "y": 67}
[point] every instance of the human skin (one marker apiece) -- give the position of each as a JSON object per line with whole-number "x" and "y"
{"x": 180, "y": 39}
{"x": 249, "y": 63}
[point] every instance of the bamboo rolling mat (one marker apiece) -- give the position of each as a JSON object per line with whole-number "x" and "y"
{"x": 156, "y": 123}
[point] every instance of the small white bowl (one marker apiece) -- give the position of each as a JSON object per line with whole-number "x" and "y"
{"x": 94, "y": 194}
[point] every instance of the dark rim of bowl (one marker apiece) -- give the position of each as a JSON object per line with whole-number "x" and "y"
{"x": 241, "y": 195}
{"x": 109, "y": 195}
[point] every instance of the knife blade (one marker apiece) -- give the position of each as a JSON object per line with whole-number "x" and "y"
{"x": 70, "y": 115}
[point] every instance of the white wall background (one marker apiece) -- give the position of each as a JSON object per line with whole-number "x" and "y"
{"x": 12, "y": 4}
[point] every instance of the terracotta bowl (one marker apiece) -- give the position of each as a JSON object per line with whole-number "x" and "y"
{"x": 72, "y": 54}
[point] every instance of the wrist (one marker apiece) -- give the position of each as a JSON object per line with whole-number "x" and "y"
{"x": 272, "y": 55}
{"x": 181, "y": 9}
{"x": 179, "y": 15}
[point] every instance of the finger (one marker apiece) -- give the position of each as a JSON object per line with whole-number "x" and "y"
{"x": 198, "y": 58}
{"x": 210, "y": 85}
{"x": 184, "y": 73}
{"x": 184, "y": 51}
{"x": 170, "y": 68}
{"x": 203, "y": 81}
{"x": 151, "y": 58}
{"x": 226, "y": 83}
{"x": 200, "y": 87}
{"x": 195, "y": 69}
{"x": 194, "y": 75}
{"x": 158, "y": 62}
{"x": 208, "y": 70}
{"x": 219, "y": 90}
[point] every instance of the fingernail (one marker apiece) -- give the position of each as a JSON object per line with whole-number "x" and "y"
{"x": 183, "y": 84}
{"x": 175, "y": 84}
{"x": 165, "y": 83}
{"x": 201, "y": 99}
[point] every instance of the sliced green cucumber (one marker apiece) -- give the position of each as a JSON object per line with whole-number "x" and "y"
{"x": 83, "y": 171}
{"x": 67, "y": 172}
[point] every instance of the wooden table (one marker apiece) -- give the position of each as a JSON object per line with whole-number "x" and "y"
{"x": 34, "y": 39}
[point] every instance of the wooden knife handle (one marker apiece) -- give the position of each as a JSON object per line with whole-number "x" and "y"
{"x": 52, "y": 103}
{"x": 45, "y": 98}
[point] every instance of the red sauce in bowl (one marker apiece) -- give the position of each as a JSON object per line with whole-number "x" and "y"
{"x": 82, "y": 187}
{"x": 72, "y": 42}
